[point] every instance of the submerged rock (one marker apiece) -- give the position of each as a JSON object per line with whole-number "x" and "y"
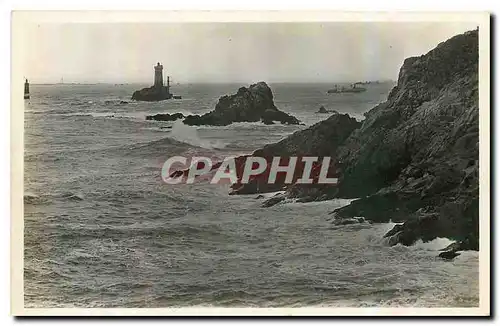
{"x": 323, "y": 110}
{"x": 419, "y": 149}
{"x": 448, "y": 255}
{"x": 460, "y": 246}
{"x": 165, "y": 117}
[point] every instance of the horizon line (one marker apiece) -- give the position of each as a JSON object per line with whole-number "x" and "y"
{"x": 215, "y": 82}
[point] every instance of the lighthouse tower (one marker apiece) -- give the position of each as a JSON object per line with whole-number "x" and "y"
{"x": 26, "y": 90}
{"x": 158, "y": 76}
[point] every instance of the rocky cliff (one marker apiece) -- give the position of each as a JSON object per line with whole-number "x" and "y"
{"x": 414, "y": 159}
{"x": 321, "y": 139}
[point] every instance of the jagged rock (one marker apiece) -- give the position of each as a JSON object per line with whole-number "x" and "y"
{"x": 460, "y": 246}
{"x": 396, "y": 229}
{"x": 450, "y": 251}
{"x": 401, "y": 237}
{"x": 165, "y": 117}
{"x": 323, "y": 110}
{"x": 251, "y": 104}
{"x": 448, "y": 255}
{"x": 419, "y": 149}
{"x": 424, "y": 224}
{"x": 454, "y": 246}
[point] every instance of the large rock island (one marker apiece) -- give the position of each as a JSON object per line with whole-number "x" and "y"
{"x": 251, "y": 104}
{"x": 415, "y": 158}
{"x": 152, "y": 94}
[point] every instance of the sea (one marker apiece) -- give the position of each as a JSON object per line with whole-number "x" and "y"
{"x": 101, "y": 228}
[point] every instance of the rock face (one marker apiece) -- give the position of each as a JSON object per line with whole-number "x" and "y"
{"x": 321, "y": 139}
{"x": 152, "y": 94}
{"x": 415, "y": 158}
{"x": 251, "y": 104}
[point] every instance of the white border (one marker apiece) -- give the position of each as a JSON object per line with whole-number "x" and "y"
{"x": 254, "y": 16}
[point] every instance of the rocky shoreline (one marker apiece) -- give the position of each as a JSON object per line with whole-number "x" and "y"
{"x": 414, "y": 159}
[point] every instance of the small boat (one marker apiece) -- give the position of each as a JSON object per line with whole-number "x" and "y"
{"x": 176, "y": 97}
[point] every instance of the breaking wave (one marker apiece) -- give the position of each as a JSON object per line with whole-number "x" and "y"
{"x": 189, "y": 135}
{"x": 34, "y": 199}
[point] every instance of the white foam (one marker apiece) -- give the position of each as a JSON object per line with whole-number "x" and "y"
{"x": 189, "y": 135}
{"x": 434, "y": 245}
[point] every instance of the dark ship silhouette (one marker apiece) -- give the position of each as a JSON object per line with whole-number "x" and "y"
{"x": 351, "y": 89}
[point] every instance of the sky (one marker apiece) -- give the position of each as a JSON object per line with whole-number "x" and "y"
{"x": 227, "y": 52}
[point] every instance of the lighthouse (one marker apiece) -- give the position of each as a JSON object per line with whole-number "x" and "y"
{"x": 158, "y": 76}
{"x": 26, "y": 90}
{"x": 157, "y": 92}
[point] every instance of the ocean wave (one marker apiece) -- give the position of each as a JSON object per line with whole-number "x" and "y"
{"x": 159, "y": 129}
{"x": 149, "y": 229}
{"x": 189, "y": 135}
{"x": 131, "y": 115}
{"x": 157, "y": 148}
{"x": 34, "y": 199}
{"x": 251, "y": 125}
{"x": 434, "y": 245}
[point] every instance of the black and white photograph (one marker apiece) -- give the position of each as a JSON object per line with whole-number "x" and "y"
{"x": 250, "y": 163}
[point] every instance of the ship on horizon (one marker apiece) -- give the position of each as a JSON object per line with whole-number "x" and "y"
{"x": 353, "y": 88}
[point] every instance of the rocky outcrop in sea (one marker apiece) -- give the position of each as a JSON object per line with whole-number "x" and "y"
{"x": 322, "y": 109}
{"x": 251, "y": 104}
{"x": 415, "y": 158}
{"x": 152, "y": 94}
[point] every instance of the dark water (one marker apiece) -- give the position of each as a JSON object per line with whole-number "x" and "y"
{"x": 102, "y": 230}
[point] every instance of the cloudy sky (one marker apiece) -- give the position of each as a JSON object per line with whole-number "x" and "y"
{"x": 227, "y": 52}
